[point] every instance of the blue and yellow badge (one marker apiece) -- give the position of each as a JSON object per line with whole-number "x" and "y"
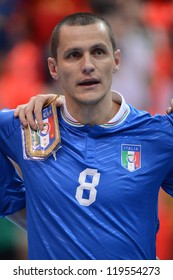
{"x": 131, "y": 157}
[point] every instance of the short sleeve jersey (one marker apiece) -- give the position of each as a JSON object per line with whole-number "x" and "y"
{"x": 99, "y": 198}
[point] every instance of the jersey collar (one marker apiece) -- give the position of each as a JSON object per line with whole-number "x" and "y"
{"x": 116, "y": 120}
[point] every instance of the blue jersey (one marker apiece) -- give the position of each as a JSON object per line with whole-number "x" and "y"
{"x": 99, "y": 198}
{"x": 12, "y": 191}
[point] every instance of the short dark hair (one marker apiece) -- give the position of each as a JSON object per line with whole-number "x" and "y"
{"x": 78, "y": 19}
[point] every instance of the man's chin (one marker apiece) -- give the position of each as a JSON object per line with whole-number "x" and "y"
{"x": 90, "y": 100}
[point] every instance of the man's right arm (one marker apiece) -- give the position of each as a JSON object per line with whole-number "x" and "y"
{"x": 12, "y": 193}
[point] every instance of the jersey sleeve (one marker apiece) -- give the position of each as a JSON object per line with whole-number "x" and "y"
{"x": 12, "y": 191}
{"x": 170, "y": 118}
{"x": 167, "y": 184}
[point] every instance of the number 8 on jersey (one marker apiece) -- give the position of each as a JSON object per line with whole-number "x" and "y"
{"x": 87, "y": 186}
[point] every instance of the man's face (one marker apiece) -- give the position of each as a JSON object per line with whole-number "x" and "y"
{"x": 85, "y": 62}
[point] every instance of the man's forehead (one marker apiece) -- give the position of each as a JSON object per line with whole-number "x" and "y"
{"x": 92, "y": 32}
{"x": 100, "y": 27}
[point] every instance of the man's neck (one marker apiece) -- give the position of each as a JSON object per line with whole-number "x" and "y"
{"x": 95, "y": 114}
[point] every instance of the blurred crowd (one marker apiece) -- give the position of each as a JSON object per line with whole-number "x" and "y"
{"x": 143, "y": 32}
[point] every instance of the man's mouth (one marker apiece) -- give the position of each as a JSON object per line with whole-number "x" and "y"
{"x": 89, "y": 82}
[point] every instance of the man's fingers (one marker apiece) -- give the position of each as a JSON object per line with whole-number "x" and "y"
{"x": 31, "y": 113}
{"x": 172, "y": 103}
{"x": 25, "y": 113}
{"x": 16, "y": 112}
{"x": 20, "y": 112}
{"x": 40, "y": 101}
{"x": 169, "y": 110}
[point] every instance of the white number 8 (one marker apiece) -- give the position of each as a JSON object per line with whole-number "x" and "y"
{"x": 87, "y": 186}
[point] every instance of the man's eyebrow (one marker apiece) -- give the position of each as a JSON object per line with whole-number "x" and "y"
{"x": 78, "y": 49}
{"x": 99, "y": 45}
{"x": 70, "y": 50}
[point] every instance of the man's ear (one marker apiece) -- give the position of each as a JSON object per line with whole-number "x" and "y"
{"x": 53, "y": 68}
{"x": 117, "y": 60}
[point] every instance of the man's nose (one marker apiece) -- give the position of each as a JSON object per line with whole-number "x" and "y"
{"x": 87, "y": 64}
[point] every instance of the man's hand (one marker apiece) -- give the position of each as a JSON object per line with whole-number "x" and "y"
{"x": 169, "y": 110}
{"x": 27, "y": 111}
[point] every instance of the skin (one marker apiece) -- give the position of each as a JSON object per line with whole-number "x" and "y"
{"x": 169, "y": 110}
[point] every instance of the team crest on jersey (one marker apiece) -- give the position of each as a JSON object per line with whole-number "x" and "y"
{"x": 131, "y": 157}
{"x": 41, "y": 144}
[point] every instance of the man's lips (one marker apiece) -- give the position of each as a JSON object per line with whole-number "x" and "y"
{"x": 89, "y": 82}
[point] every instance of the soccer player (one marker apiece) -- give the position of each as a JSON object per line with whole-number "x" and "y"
{"x": 98, "y": 198}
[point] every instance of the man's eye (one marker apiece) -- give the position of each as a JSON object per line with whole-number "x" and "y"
{"x": 99, "y": 52}
{"x": 73, "y": 55}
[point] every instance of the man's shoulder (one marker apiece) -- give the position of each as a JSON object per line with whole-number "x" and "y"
{"x": 6, "y": 113}
{"x": 146, "y": 119}
{"x": 141, "y": 116}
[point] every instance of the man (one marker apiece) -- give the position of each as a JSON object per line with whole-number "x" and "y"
{"x": 98, "y": 199}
